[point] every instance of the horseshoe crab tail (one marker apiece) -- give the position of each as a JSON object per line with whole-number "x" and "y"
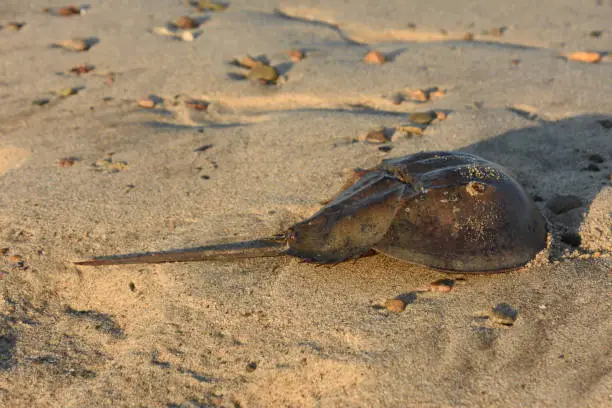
{"x": 260, "y": 248}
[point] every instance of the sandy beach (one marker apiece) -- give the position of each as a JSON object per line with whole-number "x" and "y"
{"x": 124, "y": 129}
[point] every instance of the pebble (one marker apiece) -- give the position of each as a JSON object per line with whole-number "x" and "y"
{"x": 251, "y": 366}
{"x": 442, "y": 285}
{"x": 422, "y": 118}
{"x": 14, "y": 26}
{"x": 504, "y": 314}
{"x": 69, "y": 11}
{"x": 40, "y": 102}
{"x": 66, "y": 162}
{"x": 4, "y": 251}
{"x": 395, "y": 305}
{"x": 419, "y": 95}
{"x": 560, "y": 204}
{"x": 15, "y": 259}
{"x": 468, "y": 37}
{"x": 374, "y": 57}
{"x": 375, "y": 136}
{"x": 582, "y": 56}
{"x": 263, "y": 73}
{"x": 440, "y": 115}
{"x": 186, "y": 23}
{"x": 196, "y": 104}
{"x": 146, "y": 103}
{"x": 496, "y": 31}
{"x": 296, "y": 55}
{"x": 595, "y": 33}
{"x": 63, "y": 93}
{"x": 76, "y": 44}
{"x": 82, "y": 69}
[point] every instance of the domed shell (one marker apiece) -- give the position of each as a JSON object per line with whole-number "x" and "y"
{"x": 447, "y": 210}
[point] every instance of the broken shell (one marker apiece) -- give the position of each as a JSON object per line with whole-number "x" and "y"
{"x": 375, "y": 136}
{"x": 588, "y": 57}
{"x": 63, "y": 93}
{"x": 374, "y": 57}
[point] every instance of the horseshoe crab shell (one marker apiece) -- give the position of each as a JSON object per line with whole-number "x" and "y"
{"x": 447, "y": 210}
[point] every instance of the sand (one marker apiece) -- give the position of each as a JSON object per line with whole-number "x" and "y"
{"x": 275, "y": 332}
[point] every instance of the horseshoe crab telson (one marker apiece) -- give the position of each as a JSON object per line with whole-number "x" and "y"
{"x": 447, "y": 210}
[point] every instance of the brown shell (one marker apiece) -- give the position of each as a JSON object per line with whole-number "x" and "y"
{"x": 454, "y": 211}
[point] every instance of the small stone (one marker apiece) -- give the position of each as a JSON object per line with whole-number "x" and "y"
{"x": 246, "y": 62}
{"x": 68, "y": 11}
{"x": 251, "y": 366}
{"x": 595, "y": 33}
{"x": 563, "y": 203}
{"x": 395, "y": 305}
{"x": 263, "y": 73}
{"x": 436, "y": 94}
{"x": 146, "y": 103}
{"x": 187, "y": 36}
{"x": 76, "y": 44}
{"x": 503, "y": 314}
{"x": 606, "y": 124}
{"x": 4, "y": 251}
{"x": 15, "y": 259}
{"x": 515, "y": 62}
{"x": 440, "y": 115}
{"x": 196, "y": 104}
{"x": 63, "y": 93}
{"x": 375, "y": 136}
{"x": 467, "y": 37}
{"x": 497, "y": 31}
{"x": 442, "y": 285}
{"x": 571, "y": 238}
{"x": 582, "y": 56}
{"x": 596, "y": 158}
{"x": 422, "y": 118}
{"x": 66, "y": 162}
{"x": 14, "y": 26}
{"x": 186, "y": 23}
{"x": 82, "y": 69}
{"x": 40, "y": 102}
{"x": 419, "y": 95}
{"x": 385, "y": 149}
{"x": 296, "y": 55}
{"x": 374, "y": 57}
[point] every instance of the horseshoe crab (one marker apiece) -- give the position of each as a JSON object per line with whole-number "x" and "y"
{"x": 447, "y": 210}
